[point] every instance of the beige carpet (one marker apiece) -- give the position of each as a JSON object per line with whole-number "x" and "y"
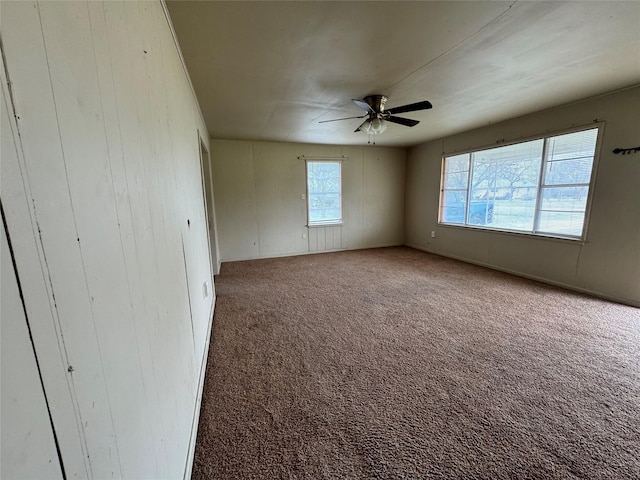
{"x": 397, "y": 364}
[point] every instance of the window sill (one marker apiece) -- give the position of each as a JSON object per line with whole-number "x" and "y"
{"x": 515, "y": 233}
{"x": 325, "y": 224}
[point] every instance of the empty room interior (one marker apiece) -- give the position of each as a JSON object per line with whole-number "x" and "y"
{"x": 320, "y": 240}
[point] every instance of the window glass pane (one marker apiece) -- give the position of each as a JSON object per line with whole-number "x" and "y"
{"x": 514, "y": 214}
{"x": 456, "y": 172}
{"x": 324, "y": 207}
{"x": 453, "y": 206}
{"x": 562, "y": 223}
{"x": 456, "y": 180}
{"x": 324, "y": 192}
{"x": 454, "y": 198}
{"x": 504, "y": 186}
{"x": 564, "y": 199}
{"x": 562, "y": 210}
{"x": 457, "y": 164}
{"x": 574, "y": 171}
{"x": 572, "y": 145}
{"x": 453, "y": 214}
{"x": 481, "y": 212}
{"x": 323, "y": 215}
{"x": 454, "y": 195}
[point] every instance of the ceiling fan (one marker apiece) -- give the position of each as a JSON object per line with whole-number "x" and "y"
{"x": 377, "y": 115}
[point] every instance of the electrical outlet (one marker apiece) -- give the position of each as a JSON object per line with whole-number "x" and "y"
{"x": 433, "y": 234}
{"x": 303, "y": 196}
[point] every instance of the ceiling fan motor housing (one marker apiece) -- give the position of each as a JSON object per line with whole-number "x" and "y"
{"x": 376, "y": 102}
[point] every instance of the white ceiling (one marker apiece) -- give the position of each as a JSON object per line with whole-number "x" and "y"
{"x": 273, "y": 70}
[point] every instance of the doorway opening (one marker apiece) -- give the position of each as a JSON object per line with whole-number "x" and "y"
{"x": 207, "y": 190}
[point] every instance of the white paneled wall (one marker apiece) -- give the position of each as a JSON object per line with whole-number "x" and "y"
{"x": 325, "y": 238}
{"x": 261, "y": 210}
{"x": 26, "y": 438}
{"x": 104, "y": 202}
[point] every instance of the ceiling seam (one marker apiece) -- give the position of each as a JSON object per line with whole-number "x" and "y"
{"x": 461, "y": 42}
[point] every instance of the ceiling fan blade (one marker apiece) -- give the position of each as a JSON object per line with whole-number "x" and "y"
{"x": 424, "y": 105}
{"x": 364, "y": 105}
{"x": 337, "y": 119}
{"x": 359, "y": 129}
{"x": 407, "y": 122}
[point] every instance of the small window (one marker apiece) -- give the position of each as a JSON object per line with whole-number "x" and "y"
{"x": 324, "y": 192}
{"x": 539, "y": 187}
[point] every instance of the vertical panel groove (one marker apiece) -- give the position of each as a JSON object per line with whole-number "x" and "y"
{"x": 82, "y": 256}
{"x": 33, "y": 347}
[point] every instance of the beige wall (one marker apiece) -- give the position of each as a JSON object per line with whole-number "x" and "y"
{"x": 607, "y": 264}
{"x": 260, "y": 210}
{"x": 102, "y": 191}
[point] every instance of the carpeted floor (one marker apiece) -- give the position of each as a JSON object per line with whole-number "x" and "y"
{"x": 397, "y": 364}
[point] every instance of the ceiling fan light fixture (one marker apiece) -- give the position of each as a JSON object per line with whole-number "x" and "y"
{"x": 375, "y": 126}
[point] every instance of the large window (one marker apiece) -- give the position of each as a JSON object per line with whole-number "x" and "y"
{"x": 324, "y": 192}
{"x": 540, "y": 186}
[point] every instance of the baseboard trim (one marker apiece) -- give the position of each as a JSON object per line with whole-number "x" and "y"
{"x": 593, "y": 293}
{"x": 295, "y": 254}
{"x": 188, "y": 468}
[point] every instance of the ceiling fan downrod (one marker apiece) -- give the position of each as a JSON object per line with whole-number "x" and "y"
{"x": 376, "y": 102}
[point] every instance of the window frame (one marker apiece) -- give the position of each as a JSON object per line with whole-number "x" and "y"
{"x": 326, "y": 223}
{"x": 598, "y": 125}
